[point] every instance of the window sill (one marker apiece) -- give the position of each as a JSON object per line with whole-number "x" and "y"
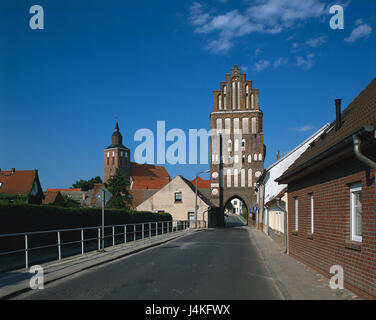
{"x": 177, "y": 202}
{"x": 353, "y": 245}
{"x": 295, "y": 233}
{"x": 310, "y": 236}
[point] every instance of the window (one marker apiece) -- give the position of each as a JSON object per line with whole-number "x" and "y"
{"x": 1, "y": 184}
{"x": 245, "y": 125}
{"x": 191, "y": 216}
{"x": 219, "y": 125}
{"x": 250, "y": 177}
{"x": 236, "y": 178}
{"x": 242, "y": 178}
{"x": 236, "y": 126}
{"x": 224, "y": 97}
{"x": 178, "y": 197}
{"x": 243, "y": 144}
{"x": 356, "y": 212}
{"x": 227, "y": 125}
{"x": 311, "y": 200}
{"x": 228, "y": 178}
{"x": 296, "y": 214}
{"x": 253, "y": 125}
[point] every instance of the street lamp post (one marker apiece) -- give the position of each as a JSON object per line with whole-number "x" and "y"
{"x": 196, "y": 206}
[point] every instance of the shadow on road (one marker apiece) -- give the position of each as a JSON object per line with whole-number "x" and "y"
{"x": 233, "y": 221}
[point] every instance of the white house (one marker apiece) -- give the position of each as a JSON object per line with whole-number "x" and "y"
{"x": 272, "y": 196}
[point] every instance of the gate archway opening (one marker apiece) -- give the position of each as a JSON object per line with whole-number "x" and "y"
{"x": 236, "y": 211}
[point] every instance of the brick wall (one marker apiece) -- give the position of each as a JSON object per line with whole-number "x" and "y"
{"x": 330, "y": 244}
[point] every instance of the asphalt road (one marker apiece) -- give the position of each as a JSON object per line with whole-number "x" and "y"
{"x": 213, "y": 264}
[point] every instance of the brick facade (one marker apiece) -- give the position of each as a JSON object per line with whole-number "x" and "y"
{"x": 331, "y": 243}
{"x": 337, "y": 172}
{"x": 236, "y": 101}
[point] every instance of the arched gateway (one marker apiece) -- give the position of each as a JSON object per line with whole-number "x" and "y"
{"x": 237, "y": 149}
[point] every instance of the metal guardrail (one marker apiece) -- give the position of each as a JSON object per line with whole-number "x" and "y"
{"x": 153, "y": 229}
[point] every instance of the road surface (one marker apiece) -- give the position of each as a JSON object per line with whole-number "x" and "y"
{"x": 212, "y": 264}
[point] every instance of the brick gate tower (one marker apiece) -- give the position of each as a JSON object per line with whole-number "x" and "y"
{"x": 116, "y": 156}
{"x": 237, "y": 143}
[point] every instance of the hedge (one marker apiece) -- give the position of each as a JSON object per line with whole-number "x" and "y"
{"x": 16, "y": 218}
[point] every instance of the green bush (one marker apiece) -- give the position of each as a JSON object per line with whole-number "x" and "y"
{"x": 17, "y": 218}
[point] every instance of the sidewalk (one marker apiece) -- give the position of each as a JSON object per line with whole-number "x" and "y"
{"x": 295, "y": 280}
{"x": 15, "y": 282}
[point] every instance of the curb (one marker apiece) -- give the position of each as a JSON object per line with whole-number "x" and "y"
{"x": 152, "y": 245}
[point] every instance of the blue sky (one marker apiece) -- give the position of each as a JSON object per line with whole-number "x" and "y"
{"x": 142, "y": 61}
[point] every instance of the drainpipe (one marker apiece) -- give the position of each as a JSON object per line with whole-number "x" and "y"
{"x": 358, "y": 152}
{"x": 360, "y": 155}
{"x": 285, "y": 217}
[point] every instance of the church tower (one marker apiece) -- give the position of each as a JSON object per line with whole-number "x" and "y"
{"x": 237, "y": 148}
{"x": 116, "y": 156}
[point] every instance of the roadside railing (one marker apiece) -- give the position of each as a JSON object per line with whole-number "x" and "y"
{"x": 201, "y": 224}
{"x": 128, "y": 233}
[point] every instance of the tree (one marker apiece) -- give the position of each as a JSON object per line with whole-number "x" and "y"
{"x": 117, "y": 186}
{"x": 229, "y": 207}
{"x": 70, "y": 203}
{"x": 86, "y": 185}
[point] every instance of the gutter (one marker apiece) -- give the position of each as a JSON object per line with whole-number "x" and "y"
{"x": 325, "y": 154}
{"x": 357, "y": 142}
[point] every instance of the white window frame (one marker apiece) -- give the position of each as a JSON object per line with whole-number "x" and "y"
{"x": 354, "y": 189}
{"x": 296, "y": 214}
{"x": 312, "y": 204}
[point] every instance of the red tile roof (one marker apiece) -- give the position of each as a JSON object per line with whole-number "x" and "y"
{"x": 149, "y": 184}
{"x": 17, "y": 182}
{"x": 51, "y": 197}
{"x": 201, "y": 183}
{"x": 62, "y": 190}
{"x": 148, "y": 171}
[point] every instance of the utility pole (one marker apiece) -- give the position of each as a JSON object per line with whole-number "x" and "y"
{"x": 103, "y": 202}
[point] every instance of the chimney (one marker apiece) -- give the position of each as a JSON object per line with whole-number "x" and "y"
{"x": 278, "y": 155}
{"x": 13, "y": 170}
{"x": 338, "y": 114}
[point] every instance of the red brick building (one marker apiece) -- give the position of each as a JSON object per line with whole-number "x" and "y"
{"x": 331, "y": 198}
{"x": 144, "y": 179}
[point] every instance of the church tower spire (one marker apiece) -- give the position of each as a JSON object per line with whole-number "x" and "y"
{"x": 117, "y": 138}
{"x": 116, "y": 156}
